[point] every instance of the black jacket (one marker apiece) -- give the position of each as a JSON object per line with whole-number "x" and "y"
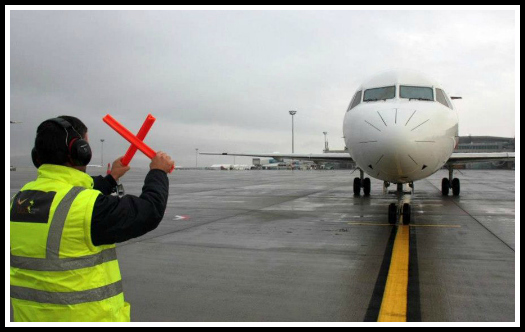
{"x": 118, "y": 219}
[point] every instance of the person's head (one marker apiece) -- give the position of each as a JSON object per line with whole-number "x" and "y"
{"x": 62, "y": 141}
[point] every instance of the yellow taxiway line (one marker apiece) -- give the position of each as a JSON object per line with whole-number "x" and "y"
{"x": 395, "y": 296}
{"x": 375, "y": 224}
{"x": 394, "y": 304}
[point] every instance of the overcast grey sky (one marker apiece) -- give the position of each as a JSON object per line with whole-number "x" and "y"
{"x": 225, "y": 80}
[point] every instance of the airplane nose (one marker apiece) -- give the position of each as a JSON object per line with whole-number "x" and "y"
{"x": 398, "y": 155}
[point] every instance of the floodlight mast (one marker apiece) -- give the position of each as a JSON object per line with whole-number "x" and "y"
{"x": 292, "y": 113}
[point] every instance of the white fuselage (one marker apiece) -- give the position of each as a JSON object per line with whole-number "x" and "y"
{"x": 400, "y": 140}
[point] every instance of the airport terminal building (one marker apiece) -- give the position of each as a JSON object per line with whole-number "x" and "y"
{"x": 478, "y": 144}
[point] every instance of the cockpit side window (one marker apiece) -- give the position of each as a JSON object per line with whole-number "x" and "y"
{"x": 448, "y": 101}
{"x": 442, "y": 98}
{"x": 416, "y": 92}
{"x": 356, "y": 100}
{"x": 388, "y": 92}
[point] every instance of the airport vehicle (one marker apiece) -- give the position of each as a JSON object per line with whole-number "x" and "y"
{"x": 400, "y": 127}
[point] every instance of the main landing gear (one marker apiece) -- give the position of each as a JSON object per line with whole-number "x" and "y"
{"x": 362, "y": 182}
{"x": 450, "y": 183}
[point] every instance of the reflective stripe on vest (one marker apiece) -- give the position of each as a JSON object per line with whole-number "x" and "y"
{"x": 58, "y": 222}
{"x": 64, "y": 264}
{"x": 52, "y": 262}
{"x": 67, "y": 298}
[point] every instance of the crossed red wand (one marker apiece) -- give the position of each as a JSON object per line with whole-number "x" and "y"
{"x": 136, "y": 141}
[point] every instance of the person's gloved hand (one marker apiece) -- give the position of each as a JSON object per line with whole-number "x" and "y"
{"x": 118, "y": 170}
{"x": 162, "y": 161}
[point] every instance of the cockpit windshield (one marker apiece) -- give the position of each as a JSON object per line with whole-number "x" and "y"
{"x": 416, "y": 92}
{"x": 388, "y": 92}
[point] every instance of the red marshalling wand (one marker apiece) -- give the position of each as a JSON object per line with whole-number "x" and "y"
{"x": 136, "y": 141}
{"x": 146, "y": 126}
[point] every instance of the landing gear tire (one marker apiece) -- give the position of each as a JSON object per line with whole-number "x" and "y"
{"x": 357, "y": 186}
{"x": 407, "y": 211}
{"x": 392, "y": 214}
{"x": 367, "y": 186}
{"x": 445, "y": 186}
{"x": 455, "y": 187}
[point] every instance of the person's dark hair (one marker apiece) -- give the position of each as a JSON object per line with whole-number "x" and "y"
{"x": 50, "y": 141}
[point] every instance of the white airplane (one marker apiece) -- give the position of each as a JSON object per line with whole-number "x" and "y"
{"x": 400, "y": 127}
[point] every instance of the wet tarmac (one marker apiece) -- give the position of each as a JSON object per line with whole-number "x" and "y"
{"x": 283, "y": 246}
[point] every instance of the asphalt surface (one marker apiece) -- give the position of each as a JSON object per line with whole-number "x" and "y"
{"x": 280, "y": 246}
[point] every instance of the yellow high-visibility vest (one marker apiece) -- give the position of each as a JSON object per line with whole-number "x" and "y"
{"x": 57, "y": 274}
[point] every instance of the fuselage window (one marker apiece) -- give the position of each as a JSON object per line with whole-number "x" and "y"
{"x": 416, "y": 92}
{"x": 442, "y": 98}
{"x": 388, "y": 92}
{"x": 356, "y": 100}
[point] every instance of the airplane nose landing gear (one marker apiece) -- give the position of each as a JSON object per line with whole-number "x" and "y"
{"x": 405, "y": 212}
{"x": 402, "y": 210}
{"x": 392, "y": 214}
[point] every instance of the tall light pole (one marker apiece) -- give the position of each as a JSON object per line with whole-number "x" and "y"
{"x": 102, "y": 153}
{"x": 196, "y": 157}
{"x": 292, "y": 113}
{"x": 325, "y": 142}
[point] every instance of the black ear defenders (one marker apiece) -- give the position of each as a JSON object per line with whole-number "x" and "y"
{"x": 78, "y": 149}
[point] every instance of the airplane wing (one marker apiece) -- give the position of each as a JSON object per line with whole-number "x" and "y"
{"x": 455, "y": 159}
{"x": 464, "y": 158}
{"x": 298, "y": 156}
